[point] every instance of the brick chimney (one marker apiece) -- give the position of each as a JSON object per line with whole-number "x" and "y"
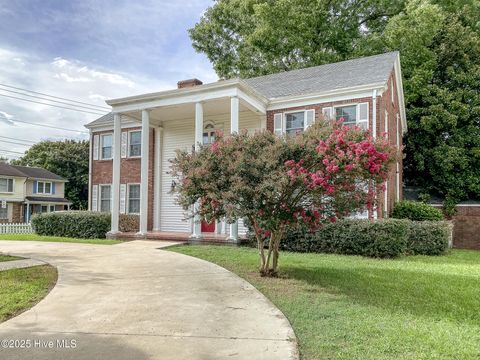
{"x": 188, "y": 83}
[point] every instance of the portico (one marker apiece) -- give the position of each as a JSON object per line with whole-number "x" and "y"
{"x": 179, "y": 119}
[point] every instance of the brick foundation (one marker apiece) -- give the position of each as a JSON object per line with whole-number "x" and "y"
{"x": 466, "y": 227}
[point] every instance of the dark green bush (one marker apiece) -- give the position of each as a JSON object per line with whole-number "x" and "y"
{"x": 76, "y": 224}
{"x": 387, "y": 238}
{"x": 416, "y": 211}
{"x": 428, "y": 237}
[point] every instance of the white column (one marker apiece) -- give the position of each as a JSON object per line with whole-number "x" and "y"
{"x": 234, "y": 113}
{"x": 157, "y": 178}
{"x": 117, "y": 133}
{"x": 197, "y": 226}
{"x": 144, "y": 172}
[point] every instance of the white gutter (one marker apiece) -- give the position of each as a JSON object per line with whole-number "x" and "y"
{"x": 374, "y": 113}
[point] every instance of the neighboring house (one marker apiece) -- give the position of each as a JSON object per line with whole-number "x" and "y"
{"x": 133, "y": 176}
{"x": 25, "y": 191}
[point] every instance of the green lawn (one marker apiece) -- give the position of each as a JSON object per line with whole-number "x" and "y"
{"x": 20, "y": 289}
{"x": 34, "y": 237}
{"x": 349, "y": 307}
{"x": 4, "y": 257}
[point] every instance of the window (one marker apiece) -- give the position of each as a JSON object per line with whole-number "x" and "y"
{"x": 3, "y": 212}
{"x": 348, "y": 114}
{"x": 133, "y": 198}
{"x": 106, "y": 146}
{"x": 44, "y": 187}
{"x": 44, "y": 209}
{"x": 294, "y": 123}
{"x": 52, "y": 208}
{"x": 105, "y": 198}
{"x": 6, "y": 185}
{"x": 352, "y": 115}
{"x": 135, "y": 143}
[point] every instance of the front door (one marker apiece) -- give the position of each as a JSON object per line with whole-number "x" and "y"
{"x": 208, "y": 227}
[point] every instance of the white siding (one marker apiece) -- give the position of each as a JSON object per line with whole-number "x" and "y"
{"x": 179, "y": 134}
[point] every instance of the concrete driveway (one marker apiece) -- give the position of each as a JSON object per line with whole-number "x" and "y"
{"x": 136, "y": 301}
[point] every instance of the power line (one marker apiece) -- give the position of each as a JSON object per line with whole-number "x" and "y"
{"x": 10, "y": 151}
{"x": 16, "y": 143}
{"x": 24, "y": 140}
{"x": 54, "y": 101}
{"x": 58, "y": 106}
{"x": 48, "y": 126}
{"x": 55, "y": 97}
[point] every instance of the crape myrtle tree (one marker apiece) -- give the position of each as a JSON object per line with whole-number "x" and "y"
{"x": 319, "y": 176}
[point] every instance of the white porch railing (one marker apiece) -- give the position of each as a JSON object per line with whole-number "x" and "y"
{"x": 12, "y": 228}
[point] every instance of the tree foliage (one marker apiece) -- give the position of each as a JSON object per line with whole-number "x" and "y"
{"x": 440, "y": 54}
{"x": 316, "y": 177}
{"x": 68, "y": 159}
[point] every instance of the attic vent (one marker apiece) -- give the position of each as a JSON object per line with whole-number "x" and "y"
{"x": 188, "y": 83}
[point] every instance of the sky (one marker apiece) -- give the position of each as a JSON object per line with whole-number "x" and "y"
{"x": 90, "y": 51}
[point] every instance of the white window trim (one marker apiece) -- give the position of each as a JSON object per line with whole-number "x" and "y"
{"x": 284, "y": 118}
{"x": 128, "y": 144}
{"x": 99, "y": 206}
{"x": 100, "y": 148}
{"x": 127, "y": 199}
{"x": 44, "y": 183}
{"x": 357, "y": 112}
{"x": 13, "y": 185}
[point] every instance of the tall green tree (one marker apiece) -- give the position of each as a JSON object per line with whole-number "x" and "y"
{"x": 438, "y": 42}
{"x": 68, "y": 159}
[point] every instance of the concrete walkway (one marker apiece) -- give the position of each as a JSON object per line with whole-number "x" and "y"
{"x": 19, "y": 264}
{"x": 134, "y": 301}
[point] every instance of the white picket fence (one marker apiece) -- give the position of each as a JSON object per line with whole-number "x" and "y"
{"x": 20, "y": 228}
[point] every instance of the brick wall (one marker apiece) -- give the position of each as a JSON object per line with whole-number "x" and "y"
{"x": 130, "y": 171}
{"x": 466, "y": 227}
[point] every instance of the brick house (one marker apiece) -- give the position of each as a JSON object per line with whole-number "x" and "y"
{"x": 133, "y": 177}
{"x": 25, "y": 191}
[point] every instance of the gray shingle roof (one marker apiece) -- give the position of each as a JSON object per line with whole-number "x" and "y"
{"x": 47, "y": 199}
{"x": 37, "y": 173}
{"x": 9, "y": 170}
{"x": 317, "y": 79}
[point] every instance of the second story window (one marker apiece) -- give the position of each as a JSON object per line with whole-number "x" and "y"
{"x": 294, "y": 123}
{"x": 134, "y": 143}
{"x": 6, "y": 185}
{"x": 353, "y": 115}
{"x": 44, "y": 187}
{"x": 106, "y": 146}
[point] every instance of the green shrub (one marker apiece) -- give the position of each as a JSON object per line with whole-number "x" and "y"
{"x": 129, "y": 223}
{"x": 428, "y": 237}
{"x": 386, "y": 238}
{"x": 416, "y": 211}
{"x": 75, "y": 224}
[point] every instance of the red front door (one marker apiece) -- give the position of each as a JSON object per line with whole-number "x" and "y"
{"x": 208, "y": 227}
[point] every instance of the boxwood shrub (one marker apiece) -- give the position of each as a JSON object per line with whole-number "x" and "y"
{"x": 417, "y": 211}
{"x": 386, "y": 238}
{"x": 75, "y": 224}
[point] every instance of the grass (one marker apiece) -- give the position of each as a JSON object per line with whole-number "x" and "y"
{"x": 34, "y": 237}
{"x": 4, "y": 257}
{"x": 349, "y": 307}
{"x": 20, "y": 289}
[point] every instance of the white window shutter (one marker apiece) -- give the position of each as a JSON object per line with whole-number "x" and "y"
{"x": 362, "y": 115}
{"x": 95, "y": 198}
{"x": 96, "y": 139}
{"x": 124, "y": 144}
{"x": 327, "y": 113}
{"x": 123, "y": 198}
{"x": 278, "y": 124}
{"x": 309, "y": 118}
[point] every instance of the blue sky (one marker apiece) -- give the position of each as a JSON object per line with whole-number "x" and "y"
{"x": 91, "y": 51}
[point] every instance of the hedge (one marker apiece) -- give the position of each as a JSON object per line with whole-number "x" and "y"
{"x": 386, "y": 238}
{"x": 75, "y": 224}
{"x": 416, "y": 211}
{"x": 81, "y": 224}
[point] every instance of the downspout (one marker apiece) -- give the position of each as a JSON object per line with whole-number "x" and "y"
{"x": 374, "y": 130}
